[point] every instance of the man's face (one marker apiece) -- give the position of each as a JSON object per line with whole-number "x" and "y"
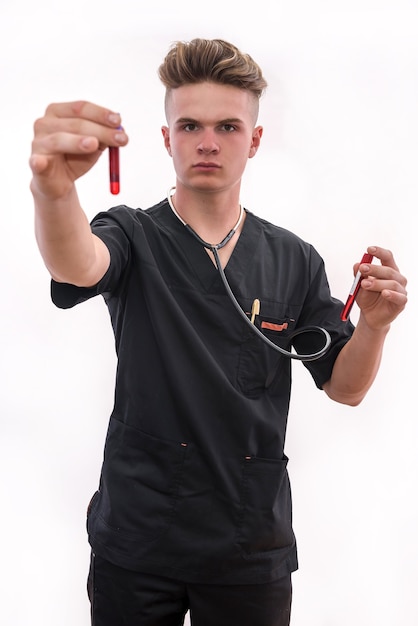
{"x": 211, "y": 134}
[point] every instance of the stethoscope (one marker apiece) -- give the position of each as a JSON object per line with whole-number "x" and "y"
{"x": 214, "y": 249}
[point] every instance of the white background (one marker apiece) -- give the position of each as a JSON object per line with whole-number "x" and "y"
{"x": 338, "y": 165}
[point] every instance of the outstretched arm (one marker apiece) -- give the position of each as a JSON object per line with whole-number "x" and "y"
{"x": 381, "y": 298}
{"x": 68, "y": 141}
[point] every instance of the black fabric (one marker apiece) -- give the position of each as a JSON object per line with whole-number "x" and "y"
{"x": 120, "y": 597}
{"x": 194, "y": 482}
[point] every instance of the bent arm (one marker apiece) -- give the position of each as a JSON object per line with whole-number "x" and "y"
{"x": 381, "y": 298}
{"x": 356, "y": 366}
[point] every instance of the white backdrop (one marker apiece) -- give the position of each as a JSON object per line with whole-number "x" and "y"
{"x": 338, "y": 165}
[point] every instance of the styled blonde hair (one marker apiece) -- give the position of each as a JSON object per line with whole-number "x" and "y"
{"x": 212, "y": 60}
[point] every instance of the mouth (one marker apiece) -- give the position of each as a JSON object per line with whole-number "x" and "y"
{"x": 206, "y": 165}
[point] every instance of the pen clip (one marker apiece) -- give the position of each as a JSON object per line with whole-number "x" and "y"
{"x": 255, "y": 310}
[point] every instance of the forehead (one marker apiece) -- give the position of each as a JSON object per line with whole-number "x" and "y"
{"x": 211, "y": 101}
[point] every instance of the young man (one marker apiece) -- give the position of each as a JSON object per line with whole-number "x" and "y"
{"x": 193, "y": 510}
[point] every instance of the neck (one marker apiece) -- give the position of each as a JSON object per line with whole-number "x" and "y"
{"x": 210, "y": 218}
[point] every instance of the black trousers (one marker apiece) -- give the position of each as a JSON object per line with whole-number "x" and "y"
{"x": 120, "y": 597}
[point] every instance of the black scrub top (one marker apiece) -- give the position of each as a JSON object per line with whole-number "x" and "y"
{"x": 194, "y": 481}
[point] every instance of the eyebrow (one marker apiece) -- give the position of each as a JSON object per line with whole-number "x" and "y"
{"x": 190, "y": 120}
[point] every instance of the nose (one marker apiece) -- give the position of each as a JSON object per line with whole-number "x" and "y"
{"x": 208, "y": 143}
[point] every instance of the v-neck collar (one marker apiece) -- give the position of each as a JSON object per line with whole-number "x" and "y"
{"x": 201, "y": 265}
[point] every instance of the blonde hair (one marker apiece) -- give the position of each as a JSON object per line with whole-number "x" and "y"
{"x": 212, "y": 60}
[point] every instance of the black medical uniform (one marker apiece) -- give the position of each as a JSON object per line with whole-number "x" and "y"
{"x": 194, "y": 482}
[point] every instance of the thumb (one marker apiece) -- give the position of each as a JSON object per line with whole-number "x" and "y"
{"x": 38, "y": 163}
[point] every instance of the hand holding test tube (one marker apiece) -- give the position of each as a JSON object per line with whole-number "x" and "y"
{"x": 367, "y": 258}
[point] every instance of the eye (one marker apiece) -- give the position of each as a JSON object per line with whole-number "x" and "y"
{"x": 189, "y": 127}
{"x": 229, "y": 128}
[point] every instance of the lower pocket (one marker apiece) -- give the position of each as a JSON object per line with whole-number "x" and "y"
{"x": 265, "y": 522}
{"x": 139, "y": 482}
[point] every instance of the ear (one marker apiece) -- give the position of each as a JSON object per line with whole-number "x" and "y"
{"x": 255, "y": 141}
{"x": 166, "y": 134}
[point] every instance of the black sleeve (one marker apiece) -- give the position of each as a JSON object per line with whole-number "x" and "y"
{"x": 321, "y": 309}
{"x": 116, "y": 238}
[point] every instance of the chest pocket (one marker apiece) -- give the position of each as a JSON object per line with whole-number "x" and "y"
{"x": 259, "y": 365}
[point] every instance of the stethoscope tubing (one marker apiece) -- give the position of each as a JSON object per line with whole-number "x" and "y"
{"x": 306, "y": 329}
{"x": 287, "y": 353}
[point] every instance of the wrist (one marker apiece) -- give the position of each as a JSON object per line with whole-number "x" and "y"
{"x": 371, "y": 330}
